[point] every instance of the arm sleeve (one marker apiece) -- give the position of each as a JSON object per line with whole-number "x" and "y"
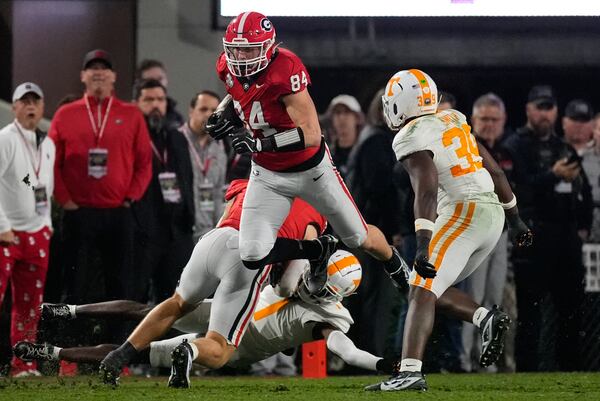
{"x": 342, "y": 346}
{"x": 61, "y": 194}
{"x": 142, "y": 164}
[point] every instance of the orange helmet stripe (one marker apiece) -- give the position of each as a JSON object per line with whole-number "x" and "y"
{"x": 425, "y": 88}
{"x": 341, "y": 264}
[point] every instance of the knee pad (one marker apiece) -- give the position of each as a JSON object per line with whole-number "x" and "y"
{"x": 355, "y": 240}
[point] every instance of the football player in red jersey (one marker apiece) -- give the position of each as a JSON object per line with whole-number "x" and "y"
{"x": 215, "y": 268}
{"x": 268, "y": 87}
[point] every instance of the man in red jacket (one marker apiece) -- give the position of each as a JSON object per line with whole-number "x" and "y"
{"x": 103, "y": 164}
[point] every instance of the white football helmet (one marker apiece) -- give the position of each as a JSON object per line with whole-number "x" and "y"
{"x": 409, "y": 93}
{"x": 344, "y": 274}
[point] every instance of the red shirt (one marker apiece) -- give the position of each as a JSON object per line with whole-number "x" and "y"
{"x": 129, "y": 162}
{"x": 301, "y": 213}
{"x": 260, "y": 106}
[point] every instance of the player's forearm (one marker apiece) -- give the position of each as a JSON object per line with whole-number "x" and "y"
{"x": 342, "y": 346}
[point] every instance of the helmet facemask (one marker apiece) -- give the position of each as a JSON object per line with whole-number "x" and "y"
{"x": 326, "y": 295}
{"x": 247, "y": 66}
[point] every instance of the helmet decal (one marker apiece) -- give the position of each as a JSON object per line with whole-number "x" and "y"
{"x": 266, "y": 24}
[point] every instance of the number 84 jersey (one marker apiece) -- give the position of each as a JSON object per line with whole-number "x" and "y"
{"x": 258, "y": 102}
{"x": 446, "y": 134}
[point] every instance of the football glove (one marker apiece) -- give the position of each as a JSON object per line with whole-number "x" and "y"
{"x": 422, "y": 265}
{"x": 224, "y": 121}
{"x": 243, "y": 142}
{"x": 518, "y": 232}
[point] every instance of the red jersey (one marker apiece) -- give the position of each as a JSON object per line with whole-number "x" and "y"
{"x": 126, "y": 139}
{"x": 301, "y": 213}
{"x": 259, "y": 104}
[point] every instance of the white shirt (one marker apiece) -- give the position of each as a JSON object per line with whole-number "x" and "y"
{"x": 461, "y": 175}
{"x": 18, "y": 156}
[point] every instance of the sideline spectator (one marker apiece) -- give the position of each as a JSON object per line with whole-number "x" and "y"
{"x": 577, "y": 125}
{"x": 155, "y": 69}
{"x": 591, "y": 166}
{"x": 548, "y": 184}
{"x": 165, "y": 214}
{"x": 447, "y": 101}
{"x": 209, "y": 163}
{"x": 103, "y": 164}
{"x": 486, "y": 284}
{"x": 26, "y": 185}
{"x": 346, "y": 120}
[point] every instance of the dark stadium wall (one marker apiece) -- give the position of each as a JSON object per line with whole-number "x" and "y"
{"x": 50, "y": 38}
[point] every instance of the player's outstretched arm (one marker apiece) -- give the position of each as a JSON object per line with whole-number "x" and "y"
{"x": 342, "y": 346}
{"x": 519, "y": 233}
{"x": 424, "y": 180}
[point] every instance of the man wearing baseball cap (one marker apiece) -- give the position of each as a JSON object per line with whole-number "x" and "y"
{"x": 346, "y": 118}
{"x": 26, "y": 184}
{"x": 553, "y": 195}
{"x": 577, "y": 124}
{"x": 103, "y": 164}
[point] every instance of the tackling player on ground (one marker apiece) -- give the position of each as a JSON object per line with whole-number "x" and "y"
{"x": 277, "y": 325}
{"x": 450, "y": 173}
{"x": 267, "y": 87}
{"x": 215, "y": 268}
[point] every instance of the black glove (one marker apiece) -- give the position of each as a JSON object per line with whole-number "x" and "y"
{"x": 224, "y": 121}
{"x": 422, "y": 265}
{"x": 243, "y": 142}
{"x": 518, "y": 232}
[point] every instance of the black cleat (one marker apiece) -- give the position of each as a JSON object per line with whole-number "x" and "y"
{"x": 493, "y": 330}
{"x": 26, "y": 351}
{"x": 110, "y": 367}
{"x": 401, "y": 381}
{"x": 109, "y": 374}
{"x": 398, "y": 270}
{"x": 55, "y": 311}
{"x": 318, "y": 267}
{"x": 181, "y": 359}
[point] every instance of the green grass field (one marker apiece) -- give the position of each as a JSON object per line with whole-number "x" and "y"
{"x": 543, "y": 386}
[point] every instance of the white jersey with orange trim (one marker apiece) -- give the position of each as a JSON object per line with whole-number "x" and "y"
{"x": 447, "y": 135}
{"x": 282, "y": 323}
{"x": 278, "y": 324}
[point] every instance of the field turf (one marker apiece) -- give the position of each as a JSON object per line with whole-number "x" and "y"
{"x": 541, "y": 386}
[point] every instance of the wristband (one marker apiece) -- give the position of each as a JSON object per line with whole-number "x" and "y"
{"x": 292, "y": 139}
{"x": 510, "y": 204}
{"x": 423, "y": 224}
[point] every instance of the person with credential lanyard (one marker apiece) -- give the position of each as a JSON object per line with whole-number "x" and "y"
{"x": 103, "y": 165}
{"x": 26, "y": 184}
{"x": 209, "y": 163}
{"x": 165, "y": 214}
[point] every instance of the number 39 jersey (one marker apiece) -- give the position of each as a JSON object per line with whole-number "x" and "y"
{"x": 446, "y": 134}
{"x": 258, "y": 103}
